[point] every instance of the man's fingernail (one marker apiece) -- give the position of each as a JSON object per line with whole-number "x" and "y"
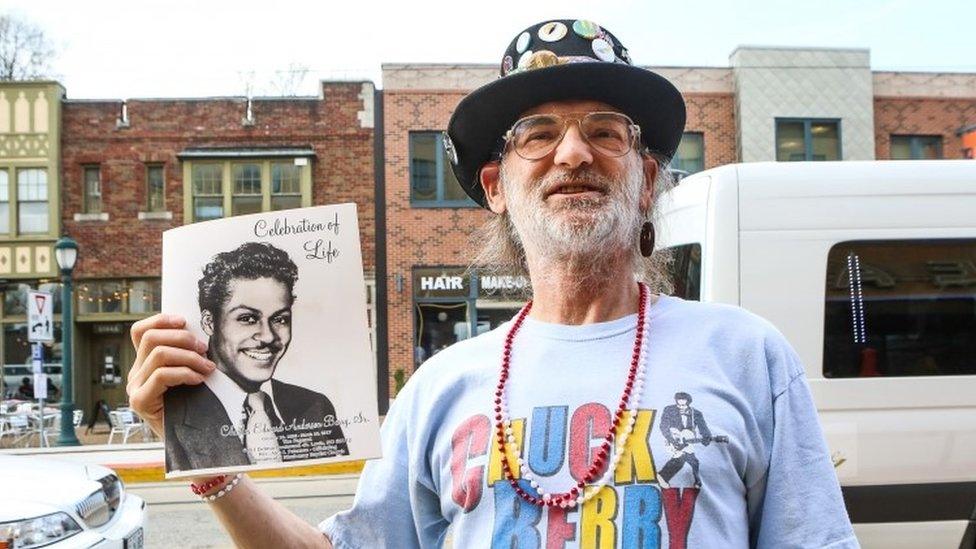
{"x": 201, "y": 346}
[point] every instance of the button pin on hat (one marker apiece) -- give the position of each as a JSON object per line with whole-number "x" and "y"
{"x": 552, "y": 31}
{"x": 603, "y": 50}
{"x": 507, "y": 64}
{"x": 586, "y": 29}
{"x": 449, "y": 149}
{"x": 523, "y": 41}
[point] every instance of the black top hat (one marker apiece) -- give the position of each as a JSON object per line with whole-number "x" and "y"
{"x": 553, "y": 61}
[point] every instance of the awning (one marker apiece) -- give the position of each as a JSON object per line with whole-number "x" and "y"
{"x": 246, "y": 152}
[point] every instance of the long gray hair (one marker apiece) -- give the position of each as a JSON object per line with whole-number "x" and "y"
{"x": 500, "y": 250}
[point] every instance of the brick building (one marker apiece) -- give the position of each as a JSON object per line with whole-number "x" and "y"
{"x": 769, "y": 104}
{"x": 127, "y": 171}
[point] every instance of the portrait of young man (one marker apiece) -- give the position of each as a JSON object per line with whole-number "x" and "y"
{"x": 545, "y": 432}
{"x": 242, "y": 415}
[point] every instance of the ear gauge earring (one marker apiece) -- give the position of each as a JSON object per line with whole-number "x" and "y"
{"x": 647, "y": 239}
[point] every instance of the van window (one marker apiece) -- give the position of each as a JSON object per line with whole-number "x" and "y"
{"x": 686, "y": 271}
{"x": 900, "y": 308}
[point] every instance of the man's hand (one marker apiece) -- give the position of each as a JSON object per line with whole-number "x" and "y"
{"x": 167, "y": 355}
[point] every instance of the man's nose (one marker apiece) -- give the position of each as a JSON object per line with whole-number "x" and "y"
{"x": 265, "y": 334}
{"x": 573, "y": 151}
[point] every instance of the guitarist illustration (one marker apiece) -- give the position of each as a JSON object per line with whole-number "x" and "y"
{"x": 682, "y": 427}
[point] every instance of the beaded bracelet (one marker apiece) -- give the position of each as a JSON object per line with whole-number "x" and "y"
{"x": 223, "y": 491}
{"x": 200, "y": 489}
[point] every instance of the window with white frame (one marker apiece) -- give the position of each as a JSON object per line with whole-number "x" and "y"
{"x": 33, "y": 216}
{"x": 4, "y": 202}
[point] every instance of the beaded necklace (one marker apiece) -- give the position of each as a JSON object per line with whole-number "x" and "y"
{"x": 633, "y": 389}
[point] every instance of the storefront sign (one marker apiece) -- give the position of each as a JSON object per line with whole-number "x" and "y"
{"x": 489, "y": 285}
{"x": 113, "y": 328}
{"x": 440, "y": 283}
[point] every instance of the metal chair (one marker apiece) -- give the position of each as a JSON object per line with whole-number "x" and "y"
{"x": 16, "y": 426}
{"x": 124, "y": 423}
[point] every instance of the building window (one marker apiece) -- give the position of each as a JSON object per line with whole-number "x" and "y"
{"x": 247, "y": 189}
{"x": 15, "y": 297}
{"x": 155, "y": 188}
{"x": 899, "y": 308}
{"x": 251, "y": 186}
{"x": 916, "y": 147}
{"x": 807, "y": 139}
{"x": 118, "y": 296}
{"x": 685, "y": 271}
{"x": 145, "y": 296}
{"x": 286, "y": 186}
{"x": 690, "y": 156}
{"x": 32, "y": 207}
{"x": 432, "y": 182}
{"x": 4, "y": 202}
{"x": 208, "y": 194}
{"x": 93, "y": 190}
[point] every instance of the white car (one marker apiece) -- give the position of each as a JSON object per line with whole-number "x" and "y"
{"x": 61, "y": 504}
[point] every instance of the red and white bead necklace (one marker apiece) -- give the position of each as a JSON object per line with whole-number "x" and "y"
{"x": 633, "y": 389}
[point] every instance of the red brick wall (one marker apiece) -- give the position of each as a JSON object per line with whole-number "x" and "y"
{"x": 416, "y": 236}
{"x": 440, "y": 236}
{"x": 342, "y": 170}
{"x": 713, "y": 114}
{"x": 921, "y": 116}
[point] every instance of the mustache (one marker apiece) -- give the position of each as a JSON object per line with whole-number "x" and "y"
{"x": 547, "y": 184}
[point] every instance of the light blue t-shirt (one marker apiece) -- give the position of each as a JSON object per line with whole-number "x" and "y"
{"x": 726, "y": 449}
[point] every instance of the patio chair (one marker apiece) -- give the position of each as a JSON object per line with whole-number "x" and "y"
{"x": 15, "y": 426}
{"x": 52, "y": 426}
{"x": 124, "y": 423}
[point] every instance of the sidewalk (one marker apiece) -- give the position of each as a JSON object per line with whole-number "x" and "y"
{"x": 142, "y": 462}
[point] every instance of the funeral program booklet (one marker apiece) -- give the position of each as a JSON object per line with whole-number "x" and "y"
{"x": 280, "y": 299}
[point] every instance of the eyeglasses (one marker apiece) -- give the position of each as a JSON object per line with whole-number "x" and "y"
{"x": 612, "y": 134}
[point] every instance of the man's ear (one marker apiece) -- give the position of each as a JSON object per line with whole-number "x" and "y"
{"x": 651, "y": 168}
{"x": 490, "y": 176}
{"x": 207, "y": 322}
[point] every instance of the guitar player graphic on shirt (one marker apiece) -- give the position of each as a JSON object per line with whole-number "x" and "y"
{"x": 683, "y": 427}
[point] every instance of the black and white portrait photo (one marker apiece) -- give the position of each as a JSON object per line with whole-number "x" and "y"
{"x": 272, "y": 400}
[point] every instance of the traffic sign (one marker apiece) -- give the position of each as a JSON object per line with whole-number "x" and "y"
{"x": 40, "y": 316}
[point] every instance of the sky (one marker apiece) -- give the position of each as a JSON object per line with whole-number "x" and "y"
{"x": 109, "y": 49}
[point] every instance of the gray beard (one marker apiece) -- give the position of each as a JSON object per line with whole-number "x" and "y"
{"x": 592, "y": 235}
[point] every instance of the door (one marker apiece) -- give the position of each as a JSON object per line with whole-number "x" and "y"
{"x": 109, "y": 369}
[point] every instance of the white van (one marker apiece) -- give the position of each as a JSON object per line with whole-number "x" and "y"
{"x": 869, "y": 269}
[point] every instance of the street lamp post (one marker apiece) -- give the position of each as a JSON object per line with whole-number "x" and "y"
{"x": 66, "y": 252}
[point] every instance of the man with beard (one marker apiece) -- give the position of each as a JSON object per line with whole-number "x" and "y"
{"x": 538, "y": 433}
{"x": 241, "y": 415}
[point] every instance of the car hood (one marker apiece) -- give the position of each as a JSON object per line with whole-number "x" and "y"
{"x": 35, "y": 485}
